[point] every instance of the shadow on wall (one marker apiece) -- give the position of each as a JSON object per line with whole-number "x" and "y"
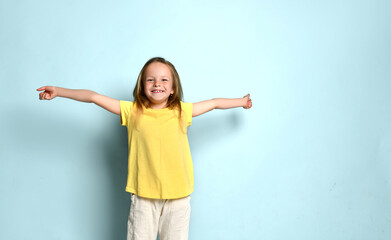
{"x": 114, "y": 147}
{"x": 206, "y": 130}
{"x": 110, "y": 150}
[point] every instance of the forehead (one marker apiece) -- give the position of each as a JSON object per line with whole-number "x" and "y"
{"x": 157, "y": 69}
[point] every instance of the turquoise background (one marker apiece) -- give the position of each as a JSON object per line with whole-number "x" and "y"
{"x": 310, "y": 159}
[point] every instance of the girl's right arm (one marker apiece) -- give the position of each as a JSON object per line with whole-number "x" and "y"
{"x": 82, "y": 95}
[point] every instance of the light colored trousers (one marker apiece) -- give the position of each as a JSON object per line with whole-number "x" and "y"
{"x": 168, "y": 217}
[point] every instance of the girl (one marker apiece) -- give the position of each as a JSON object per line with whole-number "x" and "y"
{"x": 160, "y": 170}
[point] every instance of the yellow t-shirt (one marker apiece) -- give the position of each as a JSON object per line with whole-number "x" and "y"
{"x": 159, "y": 163}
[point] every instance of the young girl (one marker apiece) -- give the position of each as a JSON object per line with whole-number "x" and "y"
{"x": 160, "y": 169}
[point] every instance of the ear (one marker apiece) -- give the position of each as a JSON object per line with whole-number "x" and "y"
{"x": 172, "y": 91}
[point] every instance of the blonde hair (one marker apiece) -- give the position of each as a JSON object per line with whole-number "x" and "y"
{"x": 140, "y": 99}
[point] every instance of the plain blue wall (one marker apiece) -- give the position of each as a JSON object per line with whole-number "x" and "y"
{"x": 310, "y": 160}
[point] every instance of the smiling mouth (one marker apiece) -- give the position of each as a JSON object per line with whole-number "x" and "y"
{"x": 157, "y": 91}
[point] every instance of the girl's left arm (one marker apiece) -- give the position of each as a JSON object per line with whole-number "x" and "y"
{"x": 221, "y": 103}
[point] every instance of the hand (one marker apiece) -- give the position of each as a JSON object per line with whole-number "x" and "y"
{"x": 49, "y": 93}
{"x": 248, "y": 102}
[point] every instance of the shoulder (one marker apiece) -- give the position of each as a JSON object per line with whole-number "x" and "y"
{"x": 126, "y": 111}
{"x": 186, "y": 105}
{"x": 126, "y": 106}
{"x": 126, "y": 103}
{"x": 187, "y": 109}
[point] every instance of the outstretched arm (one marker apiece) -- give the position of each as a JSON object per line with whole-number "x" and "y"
{"x": 82, "y": 95}
{"x": 221, "y": 103}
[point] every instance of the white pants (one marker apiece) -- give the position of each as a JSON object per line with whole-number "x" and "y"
{"x": 168, "y": 217}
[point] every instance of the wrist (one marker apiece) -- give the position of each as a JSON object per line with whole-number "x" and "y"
{"x": 244, "y": 102}
{"x": 59, "y": 91}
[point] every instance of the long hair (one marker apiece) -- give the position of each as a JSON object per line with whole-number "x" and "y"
{"x": 140, "y": 99}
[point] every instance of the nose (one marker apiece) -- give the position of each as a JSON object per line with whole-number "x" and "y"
{"x": 156, "y": 83}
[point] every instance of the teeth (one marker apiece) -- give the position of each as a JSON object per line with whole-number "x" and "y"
{"x": 157, "y": 91}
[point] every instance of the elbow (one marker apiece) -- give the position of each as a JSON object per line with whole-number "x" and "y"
{"x": 215, "y": 103}
{"x": 92, "y": 97}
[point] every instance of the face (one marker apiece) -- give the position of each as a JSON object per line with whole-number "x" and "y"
{"x": 158, "y": 84}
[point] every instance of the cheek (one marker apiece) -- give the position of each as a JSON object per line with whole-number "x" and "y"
{"x": 145, "y": 88}
{"x": 147, "y": 85}
{"x": 169, "y": 85}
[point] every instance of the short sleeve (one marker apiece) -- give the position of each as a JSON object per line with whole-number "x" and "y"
{"x": 126, "y": 109}
{"x": 188, "y": 110}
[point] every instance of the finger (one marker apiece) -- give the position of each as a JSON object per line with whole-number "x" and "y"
{"x": 41, "y": 88}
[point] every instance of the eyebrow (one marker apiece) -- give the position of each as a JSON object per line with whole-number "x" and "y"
{"x": 154, "y": 77}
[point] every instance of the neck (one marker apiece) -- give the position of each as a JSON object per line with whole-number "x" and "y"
{"x": 158, "y": 106}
